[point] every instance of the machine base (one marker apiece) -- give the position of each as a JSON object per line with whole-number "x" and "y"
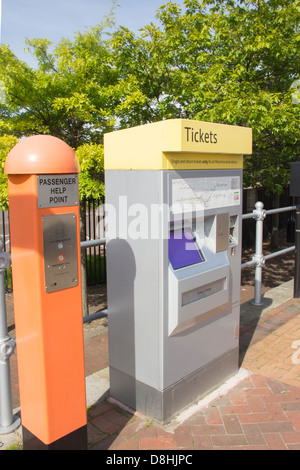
{"x": 163, "y": 405}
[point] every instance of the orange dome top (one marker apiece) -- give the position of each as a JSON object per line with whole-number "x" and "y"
{"x": 41, "y": 154}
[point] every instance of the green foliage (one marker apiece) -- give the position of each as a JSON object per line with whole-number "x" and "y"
{"x": 91, "y": 177}
{"x": 7, "y": 142}
{"x": 225, "y": 61}
{"x": 70, "y": 94}
{"x": 65, "y": 96}
{"x": 234, "y": 62}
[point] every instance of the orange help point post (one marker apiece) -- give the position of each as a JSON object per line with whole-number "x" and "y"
{"x": 45, "y": 250}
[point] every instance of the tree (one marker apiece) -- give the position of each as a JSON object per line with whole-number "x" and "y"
{"x": 69, "y": 95}
{"x": 218, "y": 60}
{"x": 7, "y": 142}
{"x": 222, "y": 61}
{"x": 237, "y": 63}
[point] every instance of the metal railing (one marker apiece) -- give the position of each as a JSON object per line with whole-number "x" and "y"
{"x": 259, "y": 214}
{"x": 8, "y": 421}
{"x": 259, "y": 259}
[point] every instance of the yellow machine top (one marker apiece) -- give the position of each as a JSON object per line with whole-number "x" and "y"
{"x": 177, "y": 144}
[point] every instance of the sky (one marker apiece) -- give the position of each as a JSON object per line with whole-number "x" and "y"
{"x": 57, "y": 19}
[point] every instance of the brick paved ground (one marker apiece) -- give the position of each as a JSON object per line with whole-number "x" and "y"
{"x": 260, "y": 412}
{"x": 274, "y": 345}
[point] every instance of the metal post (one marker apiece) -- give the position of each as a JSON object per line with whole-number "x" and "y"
{"x": 259, "y": 214}
{"x": 8, "y": 422}
{"x": 297, "y": 251}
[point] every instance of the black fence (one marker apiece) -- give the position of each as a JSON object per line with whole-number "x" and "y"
{"x": 273, "y": 223}
{"x": 93, "y": 228}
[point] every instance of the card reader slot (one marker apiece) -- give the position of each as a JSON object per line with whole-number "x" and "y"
{"x": 203, "y": 291}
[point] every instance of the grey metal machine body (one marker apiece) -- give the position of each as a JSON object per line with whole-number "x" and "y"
{"x": 173, "y": 332}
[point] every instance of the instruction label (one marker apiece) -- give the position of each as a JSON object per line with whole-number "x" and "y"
{"x": 57, "y": 190}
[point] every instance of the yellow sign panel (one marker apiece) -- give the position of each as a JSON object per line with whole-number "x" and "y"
{"x": 177, "y": 144}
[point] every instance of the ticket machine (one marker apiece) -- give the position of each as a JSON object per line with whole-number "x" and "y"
{"x": 174, "y": 214}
